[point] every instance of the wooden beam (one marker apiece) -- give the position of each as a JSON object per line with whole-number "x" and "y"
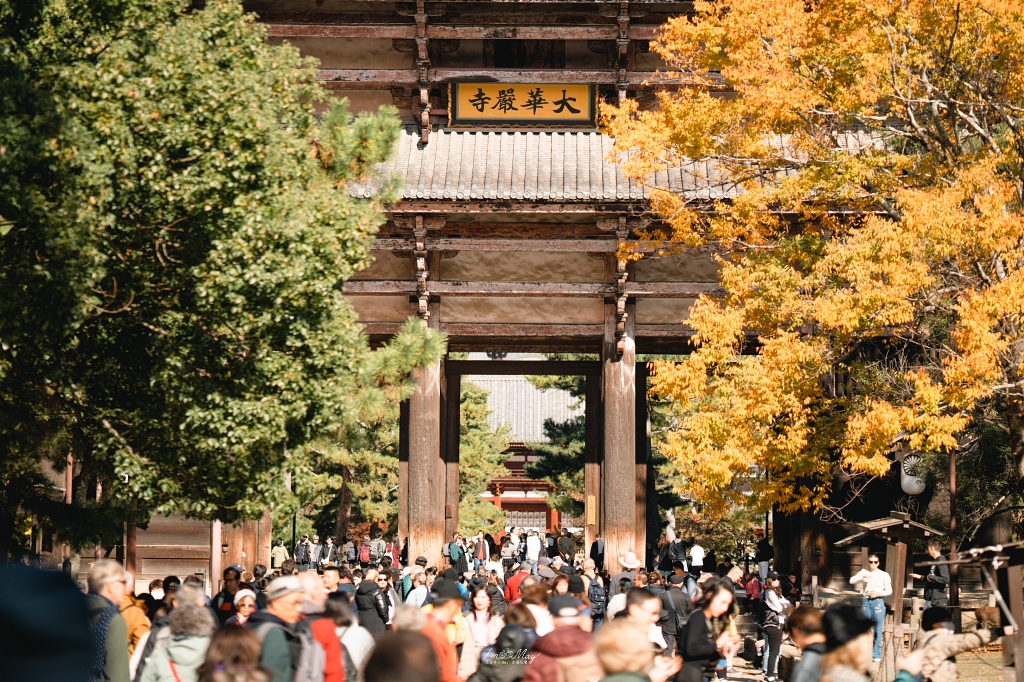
{"x": 528, "y": 367}
{"x": 556, "y": 245}
{"x": 512, "y": 206}
{"x": 384, "y": 78}
{"x": 458, "y": 32}
{"x": 532, "y": 289}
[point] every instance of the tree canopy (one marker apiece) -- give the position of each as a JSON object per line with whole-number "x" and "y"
{"x": 176, "y": 229}
{"x": 873, "y": 259}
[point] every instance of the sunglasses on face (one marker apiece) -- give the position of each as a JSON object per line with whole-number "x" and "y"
{"x": 872, "y": 562}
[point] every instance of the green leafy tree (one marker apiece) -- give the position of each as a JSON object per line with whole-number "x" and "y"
{"x": 562, "y": 463}
{"x": 481, "y": 458}
{"x": 176, "y": 228}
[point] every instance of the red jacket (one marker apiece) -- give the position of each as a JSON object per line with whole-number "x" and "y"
{"x": 323, "y": 632}
{"x": 512, "y": 586}
{"x": 563, "y": 654}
{"x": 447, "y": 659}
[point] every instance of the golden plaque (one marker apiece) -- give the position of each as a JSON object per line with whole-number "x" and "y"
{"x": 522, "y": 105}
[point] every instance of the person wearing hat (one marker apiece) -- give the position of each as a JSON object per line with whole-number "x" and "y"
{"x": 545, "y": 571}
{"x": 848, "y": 644}
{"x": 578, "y": 591}
{"x": 245, "y": 606}
{"x": 566, "y": 648}
{"x": 274, "y": 627}
{"x": 629, "y": 565}
{"x": 446, "y": 601}
{"x": 675, "y": 606}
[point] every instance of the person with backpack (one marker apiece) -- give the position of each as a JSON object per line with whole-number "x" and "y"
{"x": 349, "y": 551}
{"x": 356, "y": 641}
{"x": 283, "y": 650}
{"x": 598, "y": 598}
{"x": 321, "y": 629}
{"x": 377, "y": 550}
{"x": 675, "y": 605}
{"x": 364, "y": 553}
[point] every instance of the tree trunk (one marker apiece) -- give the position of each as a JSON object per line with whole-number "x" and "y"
{"x": 345, "y": 508}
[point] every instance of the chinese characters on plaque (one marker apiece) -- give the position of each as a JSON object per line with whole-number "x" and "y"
{"x": 521, "y": 104}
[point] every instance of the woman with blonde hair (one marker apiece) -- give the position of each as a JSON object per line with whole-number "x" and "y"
{"x": 626, "y": 655}
{"x": 848, "y": 644}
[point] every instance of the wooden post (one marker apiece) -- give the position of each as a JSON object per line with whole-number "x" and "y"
{"x": 215, "y": 543}
{"x": 954, "y": 567}
{"x": 264, "y": 539}
{"x": 131, "y": 535}
{"x": 892, "y": 639}
{"x": 592, "y": 463}
{"x": 642, "y": 446}
{"x": 452, "y": 400}
{"x": 427, "y": 489}
{"x": 618, "y": 471}
{"x": 403, "y": 472}
{"x": 1012, "y": 588}
{"x": 815, "y": 601}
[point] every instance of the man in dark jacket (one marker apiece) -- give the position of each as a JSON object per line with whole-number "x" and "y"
{"x": 107, "y": 580}
{"x": 371, "y": 604}
{"x": 565, "y": 648}
{"x": 301, "y": 554}
{"x": 936, "y": 579}
{"x": 280, "y": 646}
{"x": 597, "y": 551}
{"x": 675, "y": 604}
{"x": 566, "y": 547}
{"x": 224, "y": 601}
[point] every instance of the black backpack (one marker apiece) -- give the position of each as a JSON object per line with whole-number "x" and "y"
{"x": 598, "y": 598}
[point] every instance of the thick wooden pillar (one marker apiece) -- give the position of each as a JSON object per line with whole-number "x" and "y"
{"x": 592, "y": 462}
{"x": 1012, "y": 589}
{"x": 452, "y": 399}
{"x": 426, "y": 468}
{"x": 213, "y": 584}
{"x": 618, "y": 471}
{"x": 403, "y": 472}
{"x": 644, "y": 480}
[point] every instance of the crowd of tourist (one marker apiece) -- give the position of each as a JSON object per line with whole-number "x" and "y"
{"x": 528, "y": 607}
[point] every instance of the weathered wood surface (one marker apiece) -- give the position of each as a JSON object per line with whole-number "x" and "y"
{"x": 459, "y": 32}
{"x": 385, "y": 78}
{"x": 560, "y": 289}
{"x": 427, "y": 471}
{"x": 618, "y": 469}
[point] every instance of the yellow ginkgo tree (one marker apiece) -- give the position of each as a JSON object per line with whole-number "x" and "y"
{"x": 873, "y": 261}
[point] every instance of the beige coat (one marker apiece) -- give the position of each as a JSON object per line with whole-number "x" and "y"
{"x": 471, "y": 652}
{"x": 939, "y": 648}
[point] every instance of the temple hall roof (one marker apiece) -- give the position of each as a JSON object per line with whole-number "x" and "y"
{"x": 531, "y": 166}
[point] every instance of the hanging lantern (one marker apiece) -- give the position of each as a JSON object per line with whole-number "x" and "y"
{"x": 909, "y": 481}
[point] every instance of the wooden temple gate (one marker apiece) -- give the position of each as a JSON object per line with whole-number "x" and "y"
{"x": 510, "y": 221}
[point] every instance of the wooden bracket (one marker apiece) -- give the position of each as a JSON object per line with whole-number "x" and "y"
{"x": 423, "y": 68}
{"x": 621, "y": 233}
{"x": 422, "y": 264}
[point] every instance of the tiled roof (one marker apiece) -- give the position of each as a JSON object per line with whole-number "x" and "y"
{"x": 531, "y": 166}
